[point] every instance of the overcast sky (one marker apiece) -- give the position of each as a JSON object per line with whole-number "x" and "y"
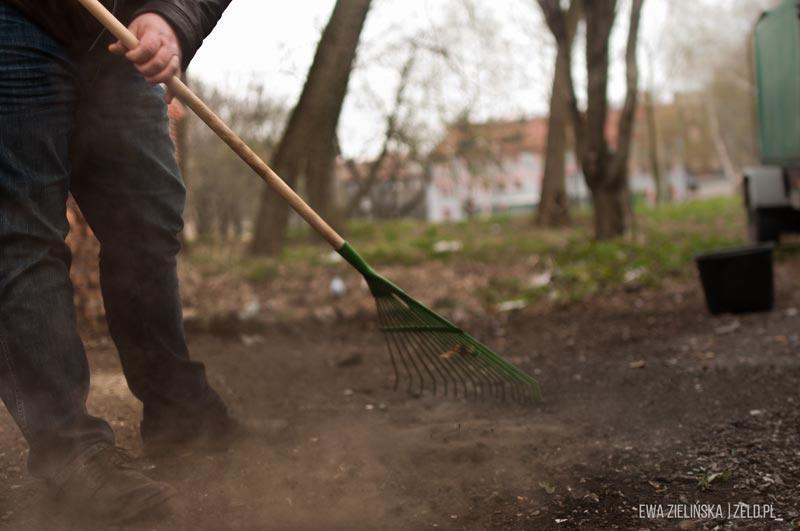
{"x": 274, "y": 42}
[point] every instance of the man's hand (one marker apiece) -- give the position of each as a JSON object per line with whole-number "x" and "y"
{"x": 158, "y": 56}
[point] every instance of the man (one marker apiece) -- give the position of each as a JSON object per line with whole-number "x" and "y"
{"x": 74, "y": 117}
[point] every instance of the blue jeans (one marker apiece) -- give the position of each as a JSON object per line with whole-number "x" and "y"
{"x": 92, "y": 126}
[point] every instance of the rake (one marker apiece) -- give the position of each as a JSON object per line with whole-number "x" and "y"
{"x": 427, "y": 351}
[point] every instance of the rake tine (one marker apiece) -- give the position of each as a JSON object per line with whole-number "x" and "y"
{"x": 504, "y": 378}
{"x": 427, "y": 363}
{"x": 421, "y": 360}
{"x": 525, "y": 389}
{"x": 493, "y": 380}
{"x": 458, "y": 367}
{"x": 382, "y": 321}
{"x": 507, "y": 379}
{"x": 476, "y": 370}
{"x": 409, "y": 347}
{"x": 452, "y": 373}
{"x": 455, "y": 375}
{"x": 446, "y": 376}
{"x": 496, "y": 380}
{"x": 474, "y": 374}
{"x": 407, "y": 378}
{"x": 391, "y": 349}
{"x": 415, "y": 340}
{"x": 401, "y": 338}
{"x": 468, "y": 368}
{"x": 479, "y": 377}
{"x": 405, "y": 364}
{"x": 461, "y": 372}
{"x": 442, "y": 342}
{"x": 441, "y": 368}
{"x": 396, "y": 336}
{"x": 513, "y": 374}
{"x": 446, "y": 342}
{"x": 516, "y": 391}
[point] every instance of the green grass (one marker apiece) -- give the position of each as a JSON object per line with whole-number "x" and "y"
{"x": 702, "y": 211}
{"x": 663, "y": 245}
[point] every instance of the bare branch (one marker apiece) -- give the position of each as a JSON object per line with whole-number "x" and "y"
{"x": 563, "y": 27}
{"x": 627, "y": 118}
{"x": 390, "y": 134}
{"x": 600, "y": 16}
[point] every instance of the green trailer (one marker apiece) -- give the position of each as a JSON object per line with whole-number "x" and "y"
{"x": 772, "y": 191}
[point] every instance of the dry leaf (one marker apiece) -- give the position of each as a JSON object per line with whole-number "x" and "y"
{"x": 458, "y": 350}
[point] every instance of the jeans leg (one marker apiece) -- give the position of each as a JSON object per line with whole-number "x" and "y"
{"x": 44, "y": 376}
{"x": 128, "y": 186}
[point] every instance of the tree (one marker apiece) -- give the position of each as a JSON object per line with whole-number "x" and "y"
{"x": 308, "y": 148}
{"x": 605, "y": 170}
{"x": 652, "y": 147}
{"x": 394, "y": 183}
{"x": 221, "y": 202}
{"x": 392, "y": 133}
{"x": 712, "y": 70}
{"x": 553, "y": 210}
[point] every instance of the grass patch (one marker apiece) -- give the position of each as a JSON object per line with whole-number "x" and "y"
{"x": 663, "y": 245}
{"x": 259, "y": 271}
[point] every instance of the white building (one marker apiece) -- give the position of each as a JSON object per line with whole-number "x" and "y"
{"x": 492, "y": 168}
{"x": 497, "y": 167}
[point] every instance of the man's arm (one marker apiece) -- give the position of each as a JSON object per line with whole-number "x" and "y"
{"x": 192, "y": 20}
{"x": 169, "y": 33}
{"x": 159, "y": 55}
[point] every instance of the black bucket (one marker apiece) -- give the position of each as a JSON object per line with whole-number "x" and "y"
{"x": 738, "y": 280}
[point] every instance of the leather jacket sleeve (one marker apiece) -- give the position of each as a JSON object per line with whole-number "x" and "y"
{"x": 192, "y": 20}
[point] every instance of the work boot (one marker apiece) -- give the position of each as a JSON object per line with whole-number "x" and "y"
{"x": 105, "y": 488}
{"x": 212, "y": 431}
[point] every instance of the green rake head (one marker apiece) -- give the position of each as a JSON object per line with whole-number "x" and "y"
{"x": 432, "y": 354}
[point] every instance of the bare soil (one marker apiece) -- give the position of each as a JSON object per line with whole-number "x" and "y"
{"x": 648, "y": 399}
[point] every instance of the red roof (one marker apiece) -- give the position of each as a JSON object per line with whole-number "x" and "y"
{"x": 509, "y": 138}
{"x": 503, "y": 138}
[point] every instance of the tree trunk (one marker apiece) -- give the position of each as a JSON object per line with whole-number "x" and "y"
{"x": 553, "y": 208}
{"x": 609, "y": 212}
{"x": 606, "y": 172}
{"x": 204, "y": 220}
{"x": 652, "y": 142}
{"x": 417, "y": 199}
{"x": 319, "y": 181}
{"x": 307, "y": 148}
{"x": 719, "y": 142}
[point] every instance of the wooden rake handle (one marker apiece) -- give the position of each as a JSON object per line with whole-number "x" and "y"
{"x": 190, "y": 99}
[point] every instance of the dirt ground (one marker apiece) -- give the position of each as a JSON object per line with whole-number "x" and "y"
{"x": 647, "y": 400}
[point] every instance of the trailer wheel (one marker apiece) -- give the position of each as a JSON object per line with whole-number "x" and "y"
{"x": 763, "y": 226}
